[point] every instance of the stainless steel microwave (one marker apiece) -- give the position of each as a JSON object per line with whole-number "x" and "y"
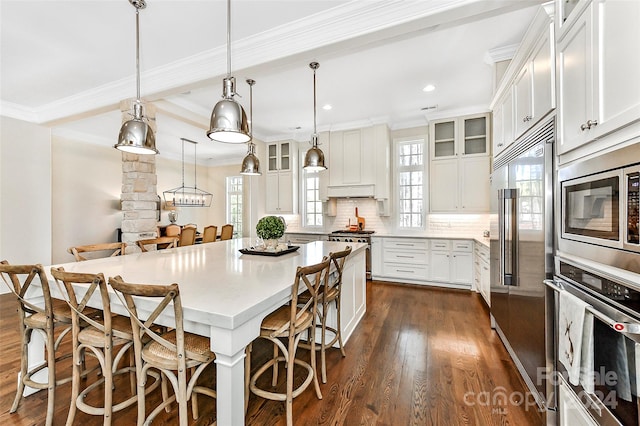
{"x": 599, "y": 208}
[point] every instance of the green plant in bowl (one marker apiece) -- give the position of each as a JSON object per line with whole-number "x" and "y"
{"x": 270, "y": 228}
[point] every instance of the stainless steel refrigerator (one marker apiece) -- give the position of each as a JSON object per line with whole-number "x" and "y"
{"x": 522, "y": 256}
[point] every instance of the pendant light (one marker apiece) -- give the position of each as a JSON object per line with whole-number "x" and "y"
{"x": 228, "y": 119}
{"x": 188, "y": 196}
{"x": 250, "y": 163}
{"x": 136, "y": 136}
{"x": 314, "y": 159}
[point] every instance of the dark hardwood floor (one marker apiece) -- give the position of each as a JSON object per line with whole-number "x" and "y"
{"x": 421, "y": 356}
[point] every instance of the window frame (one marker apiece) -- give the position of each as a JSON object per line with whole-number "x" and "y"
{"x": 316, "y": 175}
{"x": 397, "y": 169}
{"x": 237, "y": 224}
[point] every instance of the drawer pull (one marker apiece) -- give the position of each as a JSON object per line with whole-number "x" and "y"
{"x": 405, "y": 244}
{"x": 408, "y": 257}
{"x": 404, "y": 270}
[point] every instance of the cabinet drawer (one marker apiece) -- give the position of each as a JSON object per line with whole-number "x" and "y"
{"x": 440, "y": 245}
{"x": 413, "y": 272}
{"x": 464, "y": 246}
{"x": 406, "y": 243}
{"x": 406, "y": 256}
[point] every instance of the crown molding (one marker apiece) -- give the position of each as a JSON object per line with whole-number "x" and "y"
{"x": 457, "y": 112}
{"x": 499, "y": 54}
{"x": 19, "y": 112}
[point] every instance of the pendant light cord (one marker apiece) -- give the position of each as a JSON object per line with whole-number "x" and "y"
{"x": 228, "y": 38}
{"x": 182, "y": 165}
{"x": 314, "y": 102}
{"x": 138, "y": 54}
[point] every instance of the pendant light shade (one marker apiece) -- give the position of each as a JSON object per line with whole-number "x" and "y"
{"x": 228, "y": 119}
{"x": 250, "y": 163}
{"x": 136, "y": 136}
{"x": 314, "y": 159}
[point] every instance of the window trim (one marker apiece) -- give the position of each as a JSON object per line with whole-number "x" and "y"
{"x": 237, "y": 230}
{"x": 303, "y": 199}
{"x": 396, "y": 180}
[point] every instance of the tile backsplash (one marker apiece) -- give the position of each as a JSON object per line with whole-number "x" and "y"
{"x": 437, "y": 224}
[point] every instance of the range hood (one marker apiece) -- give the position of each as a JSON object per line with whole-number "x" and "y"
{"x": 351, "y": 191}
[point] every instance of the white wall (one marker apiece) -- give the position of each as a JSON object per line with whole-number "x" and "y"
{"x": 25, "y": 193}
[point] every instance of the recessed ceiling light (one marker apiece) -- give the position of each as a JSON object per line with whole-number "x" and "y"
{"x": 327, "y": 107}
{"x": 429, "y": 88}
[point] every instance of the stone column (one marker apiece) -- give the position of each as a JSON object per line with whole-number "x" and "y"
{"x": 139, "y": 198}
{"x": 140, "y": 203}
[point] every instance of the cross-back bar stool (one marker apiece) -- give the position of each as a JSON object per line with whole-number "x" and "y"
{"x": 43, "y": 320}
{"x": 160, "y": 242}
{"x": 289, "y": 323}
{"x": 115, "y": 249}
{"x": 172, "y": 353}
{"x": 101, "y": 337}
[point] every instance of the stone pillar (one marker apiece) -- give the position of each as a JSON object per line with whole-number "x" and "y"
{"x": 140, "y": 202}
{"x": 139, "y": 198}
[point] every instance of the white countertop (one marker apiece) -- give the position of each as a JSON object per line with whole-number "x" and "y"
{"x": 217, "y": 283}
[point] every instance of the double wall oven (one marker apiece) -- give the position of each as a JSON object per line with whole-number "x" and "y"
{"x": 597, "y": 263}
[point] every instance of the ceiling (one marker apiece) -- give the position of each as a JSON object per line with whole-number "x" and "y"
{"x": 69, "y": 64}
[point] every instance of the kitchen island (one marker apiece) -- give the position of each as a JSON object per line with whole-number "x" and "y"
{"x": 226, "y": 295}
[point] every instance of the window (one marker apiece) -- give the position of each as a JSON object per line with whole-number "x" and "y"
{"x": 410, "y": 183}
{"x": 234, "y": 204}
{"x": 312, "y": 203}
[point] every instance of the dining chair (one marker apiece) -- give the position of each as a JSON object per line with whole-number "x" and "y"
{"x": 54, "y": 317}
{"x": 160, "y": 243}
{"x": 116, "y": 249}
{"x": 101, "y": 338}
{"x": 210, "y": 234}
{"x": 172, "y": 230}
{"x": 290, "y": 322}
{"x": 173, "y": 353}
{"x": 226, "y": 232}
{"x": 329, "y": 293}
{"x": 187, "y": 237}
{"x": 190, "y": 225}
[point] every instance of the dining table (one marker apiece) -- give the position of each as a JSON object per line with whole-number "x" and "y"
{"x": 225, "y": 296}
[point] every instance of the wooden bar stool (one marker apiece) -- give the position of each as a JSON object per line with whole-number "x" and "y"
{"x": 328, "y": 294}
{"x": 46, "y": 321}
{"x": 290, "y": 322}
{"x": 101, "y": 338}
{"x": 116, "y": 249}
{"x": 172, "y": 353}
{"x": 160, "y": 243}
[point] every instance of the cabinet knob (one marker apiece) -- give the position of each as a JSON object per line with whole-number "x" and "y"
{"x": 588, "y": 124}
{"x": 500, "y": 144}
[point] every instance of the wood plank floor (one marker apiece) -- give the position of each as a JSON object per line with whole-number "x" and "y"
{"x": 421, "y": 356}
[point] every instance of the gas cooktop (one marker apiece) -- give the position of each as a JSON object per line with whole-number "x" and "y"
{"x": 346, "y": 231}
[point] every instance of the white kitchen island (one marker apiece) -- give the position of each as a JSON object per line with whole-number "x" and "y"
{"x": 226, "y": 295}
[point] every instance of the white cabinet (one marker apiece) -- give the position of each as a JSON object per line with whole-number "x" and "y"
{"x": 281, "y": 178}
{"x": 302, "y": 238}
{"x": 534, "y": 86}
{"x": 570, "y": 411}
{"x": 405, "y": 259}
{"x": 359, "y": 164}
{"x": 452, "y": 262}
{"x": 503, "y": 123}
{"x": 598, "y": 68}
{"x": 481, "y": 271}
{"x": 459, "y": 166}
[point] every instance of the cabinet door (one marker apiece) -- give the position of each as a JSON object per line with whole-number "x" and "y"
{"x": 474, "y": 184}
{"x": 503, "y": 123}
{"x": 498, "y": 130}
{"x": 272, "y": 157}
{"x": 462, "y": 268}
{"x": 443, "y": 139}
{"x": 475, "y": 136}
{"x": 285, "y": 192}
{"x": 485, "y": 285}
{"x": 523, "y": 100}
{"x": 440, "y": 266}
{"x": 284, "y": 157}
{"x": 575, "y": 83}
{"x": 272, "y": 202}
{"x": 543, "y": 71}
{"x": 443, "y": 195}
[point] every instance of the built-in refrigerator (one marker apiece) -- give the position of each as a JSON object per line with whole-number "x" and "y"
{"x": 521, "y": 224}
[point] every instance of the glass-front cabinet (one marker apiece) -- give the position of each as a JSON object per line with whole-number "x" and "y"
{"x": 454, "y": 137}
{"x": 279, "y": 156}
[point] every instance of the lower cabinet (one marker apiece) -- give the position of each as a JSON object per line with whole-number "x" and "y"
{"x": 481, "y": 271}
{"x": 300, "y": 238}
{"x": 447, "y": 263}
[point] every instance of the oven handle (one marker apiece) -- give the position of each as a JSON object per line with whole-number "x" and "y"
{"x": 620, "y": 327}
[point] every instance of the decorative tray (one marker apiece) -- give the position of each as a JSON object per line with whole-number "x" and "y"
{"x": 252, "y": 250}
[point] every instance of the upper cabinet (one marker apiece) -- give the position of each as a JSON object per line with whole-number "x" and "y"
{"x": 460, "y": 164}
{"x": 360, "y": 165}
{"x": 598, "y": 69}
{"x": 527, "y": 91}
{"x": 281, "y": 180}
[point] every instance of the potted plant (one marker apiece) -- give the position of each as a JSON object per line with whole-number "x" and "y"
{"x": 270, "y": 228}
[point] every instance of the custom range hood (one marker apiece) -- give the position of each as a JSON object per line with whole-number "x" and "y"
{"x": 351, "y": 191}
